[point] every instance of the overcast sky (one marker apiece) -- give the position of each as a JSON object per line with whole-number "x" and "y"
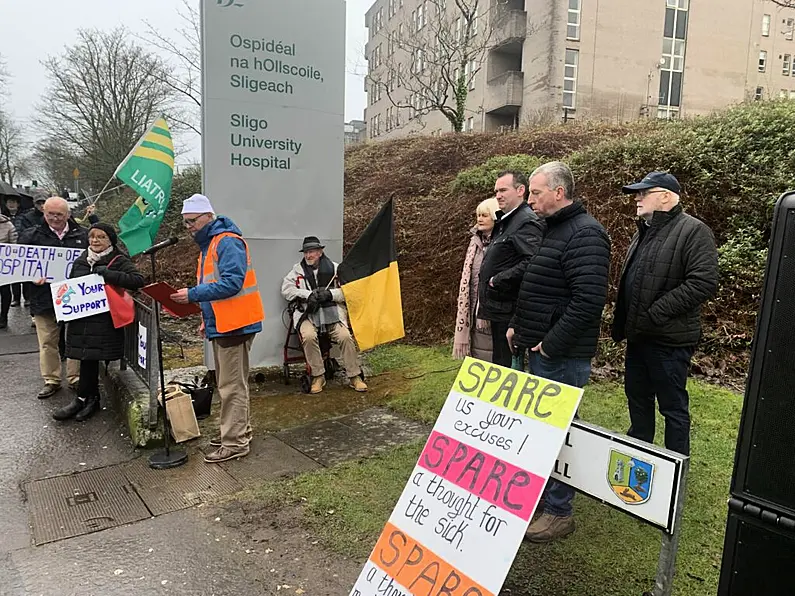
{"x": 36, "y": 29}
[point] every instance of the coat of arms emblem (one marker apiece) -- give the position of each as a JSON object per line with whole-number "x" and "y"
{"x": 630, "y": 477}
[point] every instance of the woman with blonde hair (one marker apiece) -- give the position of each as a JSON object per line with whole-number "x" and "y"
{"x": 472, "y": 335}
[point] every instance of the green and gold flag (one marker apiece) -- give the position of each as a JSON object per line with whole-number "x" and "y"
{"x": 371, "y": 283}
{"x": 148, "y": 170}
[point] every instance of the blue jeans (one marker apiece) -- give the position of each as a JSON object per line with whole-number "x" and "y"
{"x": 571, "y": 371}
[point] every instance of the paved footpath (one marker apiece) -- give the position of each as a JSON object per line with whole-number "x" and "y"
{"x": 82, "y": 513}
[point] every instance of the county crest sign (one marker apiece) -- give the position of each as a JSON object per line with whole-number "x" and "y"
{"x": 630, "y": 478}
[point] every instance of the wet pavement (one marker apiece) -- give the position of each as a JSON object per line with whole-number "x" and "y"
{"x": 176, "y": 546}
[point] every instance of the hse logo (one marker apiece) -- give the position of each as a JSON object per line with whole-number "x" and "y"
{"x": 64, "y": 294}
{"x": 630, "y": 478}
{"x": 228, "y": 3}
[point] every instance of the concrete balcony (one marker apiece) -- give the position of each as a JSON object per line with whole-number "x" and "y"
{"x": 510, "y": 30}
{"x": 504, "y": 93}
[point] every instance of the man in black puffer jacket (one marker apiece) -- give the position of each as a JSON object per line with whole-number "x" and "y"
{"x": 559, "y": 309}
{"x": 56, "y": 231}
{"x": 514, "y": 241}
{"x": 671, "y": 269}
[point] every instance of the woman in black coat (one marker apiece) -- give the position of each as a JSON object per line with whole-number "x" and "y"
{"x": 94, "y": 339}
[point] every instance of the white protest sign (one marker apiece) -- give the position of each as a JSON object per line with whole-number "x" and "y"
{"x": 79, "y": 297}
{"x": 24, "y": 262}
{"x": 638, "y": 478}
{"x": 467, "y": 504}
{"x": 141, "y": 346}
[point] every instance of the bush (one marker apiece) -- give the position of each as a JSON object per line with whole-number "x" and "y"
{"x": 480, "y": 179}
{"x": 732, "y": 167}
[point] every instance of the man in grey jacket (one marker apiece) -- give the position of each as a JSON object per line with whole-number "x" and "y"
{"x": 312, "y": 287}
{"x": 670, "y": 270}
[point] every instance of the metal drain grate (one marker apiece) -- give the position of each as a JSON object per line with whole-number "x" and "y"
{"x": 68, "y": 506}
{"x": 164, "y": 491}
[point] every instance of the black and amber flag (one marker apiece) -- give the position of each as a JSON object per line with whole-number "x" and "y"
{"x": 371, "y": 283}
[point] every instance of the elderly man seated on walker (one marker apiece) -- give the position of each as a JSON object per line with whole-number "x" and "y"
{"x": 320, "y": 308}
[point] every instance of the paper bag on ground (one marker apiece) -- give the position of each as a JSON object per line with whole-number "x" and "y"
{"x": 180, "y": 414}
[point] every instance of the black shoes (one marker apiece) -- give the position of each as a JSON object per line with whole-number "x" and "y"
{"x": 15, "y": 303}
{"x": 48, "y": 390}
{"x": 70, "y": 410}
{"x": 3, "y": 322}
{"x": 81, "y": 409}
{"x": 91, "y": 407}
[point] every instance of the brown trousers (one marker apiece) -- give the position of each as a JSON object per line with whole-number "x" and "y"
{"x": 231, "y": 373}
{"x": 49, "y": 333}
{"x": 340, "y": 335}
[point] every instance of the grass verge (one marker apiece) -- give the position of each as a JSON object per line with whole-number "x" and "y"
{"x": 610, "y": 554}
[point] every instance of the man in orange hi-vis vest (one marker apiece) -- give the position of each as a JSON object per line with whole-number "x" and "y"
{"x": 232, "y": 315}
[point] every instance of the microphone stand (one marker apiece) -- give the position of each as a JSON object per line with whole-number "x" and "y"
{"x": 168, "y": 458}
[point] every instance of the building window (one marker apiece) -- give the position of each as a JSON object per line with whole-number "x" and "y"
{"x": 469, "y": 74}
{"x": 785, "y": 66}
{"x": 376, "y": 60}
{"x": 378, "y": 22}
{"x": 418, "y": 61}
{"x": 762, "y": 60}
{"x": 570, "y": 79}
{"x": 421, "y": 16}
{"x": 680, "y": 4}
{"x": 474, "y": 31}
{"x": 470, "y": 124}
{"x": 573, "y": 23}
{"x": 392, "y": 8}
{"x": 788, "y": 31}
{"x": 672, "y": 65}
{"x": 758, "y": 93}
{"x": 377, "y": 125}
{"x": 792, "y": 94}
{"x": 765, "y": 25}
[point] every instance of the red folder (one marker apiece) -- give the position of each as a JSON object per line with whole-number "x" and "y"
{"x": 161, "y": 291}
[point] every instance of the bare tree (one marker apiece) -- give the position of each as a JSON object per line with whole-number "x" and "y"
{"x": 4, "y": 77}
{"x": 53, "y": 163}
{"x": 12, "y": 157}
{"x": 184, "y": 76}
{"x": 104, "y": 92}
{"x": 432, "y": 59}
{"x": 784, "y": 3}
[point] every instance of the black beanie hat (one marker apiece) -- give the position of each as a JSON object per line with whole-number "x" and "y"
{"x": 108, "y": 229}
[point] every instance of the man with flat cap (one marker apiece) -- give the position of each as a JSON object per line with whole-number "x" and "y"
{"x": 670, "y": 270}
{"x": 313, "y": 288}
{"x": 232, "y": 315}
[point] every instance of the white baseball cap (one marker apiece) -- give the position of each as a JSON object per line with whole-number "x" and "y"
{"x": 197, "y": 204}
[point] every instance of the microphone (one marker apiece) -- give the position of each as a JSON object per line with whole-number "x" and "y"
{"x": 159, "y": 245}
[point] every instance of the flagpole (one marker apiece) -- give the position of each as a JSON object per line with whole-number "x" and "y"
{"x": 96, "y": 198}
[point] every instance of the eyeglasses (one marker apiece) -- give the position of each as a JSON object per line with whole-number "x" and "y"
{"x": 188, "y": 222}
{"x": 645, "y": 193}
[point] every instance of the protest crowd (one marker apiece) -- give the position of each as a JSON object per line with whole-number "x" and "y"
{"x": 531, "y": 297}
{"x": 542, "y": 284}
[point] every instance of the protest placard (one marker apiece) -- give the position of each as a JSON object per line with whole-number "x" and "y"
{"x": 24, "y": 262}
{"x": 464, "y": 511}
{"x": 79, "y": 297}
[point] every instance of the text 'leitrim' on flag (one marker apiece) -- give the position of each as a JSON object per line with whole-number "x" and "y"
{"x": 371, "y": 283}
{"x": 148, "y": 170}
